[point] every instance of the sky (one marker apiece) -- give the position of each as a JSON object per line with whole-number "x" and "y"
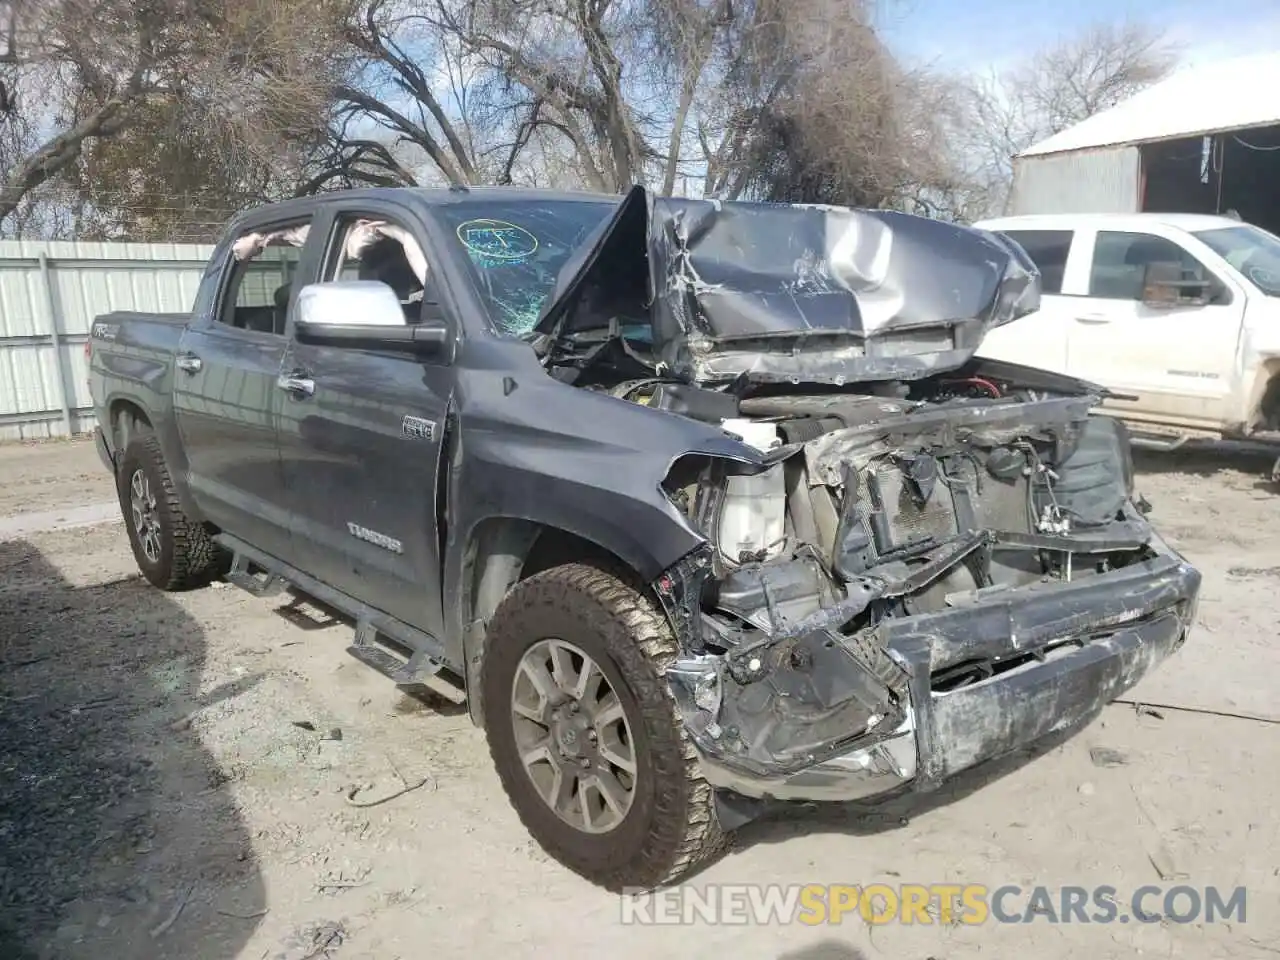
{"x": 984, "y": 34}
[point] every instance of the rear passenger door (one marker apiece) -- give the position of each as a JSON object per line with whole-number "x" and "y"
{"x": 1038, "y": 339}
{"x": 225, "y": 396}
{"x": 1175, "y": 359}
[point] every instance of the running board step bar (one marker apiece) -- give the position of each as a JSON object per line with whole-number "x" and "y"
{"x": 411, "y": 658}
{"x": 416, "y": 671}
{"x": 259, "y": 584}
{"x": 1158, "y": 441}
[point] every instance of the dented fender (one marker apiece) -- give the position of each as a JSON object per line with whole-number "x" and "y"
{"x": 525, "y": 448}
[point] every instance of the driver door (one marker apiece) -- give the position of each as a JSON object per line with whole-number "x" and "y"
{"x": 1174, "y": 357}
{"x": 360, "y": 439}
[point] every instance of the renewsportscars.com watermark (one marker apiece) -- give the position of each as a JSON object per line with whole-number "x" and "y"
{"x": 936, "y": 903}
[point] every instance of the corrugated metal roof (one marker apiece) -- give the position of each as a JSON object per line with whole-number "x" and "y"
{"x": 1225, "y": 95}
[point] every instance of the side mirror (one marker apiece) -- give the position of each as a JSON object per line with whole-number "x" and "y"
{"x": 1163, "y": 286}
{"x": 363, "y": 314}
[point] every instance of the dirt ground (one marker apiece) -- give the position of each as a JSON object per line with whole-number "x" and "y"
{"x": 175, "y": 775}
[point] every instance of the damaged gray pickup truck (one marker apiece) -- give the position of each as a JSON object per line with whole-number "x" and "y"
{"x": 699, "y": 506}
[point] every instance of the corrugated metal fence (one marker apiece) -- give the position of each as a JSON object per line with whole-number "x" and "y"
{"x": 49, "y": 295}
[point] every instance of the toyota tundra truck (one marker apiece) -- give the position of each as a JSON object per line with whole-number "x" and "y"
{"x": 702, "y": 507}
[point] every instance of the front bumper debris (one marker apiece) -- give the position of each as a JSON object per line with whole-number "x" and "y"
{"x": 1062, "y": 652}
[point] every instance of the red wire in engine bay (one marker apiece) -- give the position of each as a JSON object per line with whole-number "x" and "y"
{"x": 979, "y": 382}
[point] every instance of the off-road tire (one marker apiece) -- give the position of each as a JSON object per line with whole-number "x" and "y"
{"x": 188, "y": 557}
{"x": 671, "y": 827}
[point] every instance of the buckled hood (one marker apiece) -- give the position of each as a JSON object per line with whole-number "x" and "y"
{"x": 792, "y": 292}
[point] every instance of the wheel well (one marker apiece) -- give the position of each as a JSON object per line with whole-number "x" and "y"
{"x": 127, "y": 419}
{"x": 505, "y": 551}
{"x": 556, "y": 547}
{"x": 1269, "y": 402}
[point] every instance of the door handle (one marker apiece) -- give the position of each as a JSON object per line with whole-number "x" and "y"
{"x": 296, "y": 385}
{"x": 189, "y": 363}
{"x": 1093, "y": 318}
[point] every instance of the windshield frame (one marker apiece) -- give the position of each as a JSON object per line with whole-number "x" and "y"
{"x": 1226, "y": 241}
{"x": 451, "y": 217}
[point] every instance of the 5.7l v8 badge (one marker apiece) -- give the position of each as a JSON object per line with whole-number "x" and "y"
{"x": 416, "y": 428}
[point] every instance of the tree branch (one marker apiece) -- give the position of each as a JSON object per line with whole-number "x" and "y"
{"x": 63, "y": 149}
{"x": 414, "y": 82}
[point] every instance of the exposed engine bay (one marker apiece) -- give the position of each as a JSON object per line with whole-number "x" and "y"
{"x": 958, "y": 487}
{"x": 909, "y": 513}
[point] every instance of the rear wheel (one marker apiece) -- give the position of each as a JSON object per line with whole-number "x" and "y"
{"x": 585, "y": 734}
{"x": 172, "y": 551}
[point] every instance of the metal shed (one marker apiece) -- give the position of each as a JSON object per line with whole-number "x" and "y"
{"x": 1205, "y": 140}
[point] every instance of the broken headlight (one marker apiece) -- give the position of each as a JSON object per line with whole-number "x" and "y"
{"x": 753, "y": 512}
{"x": 1095, "y": 479}
{"x": 751, "y": 525}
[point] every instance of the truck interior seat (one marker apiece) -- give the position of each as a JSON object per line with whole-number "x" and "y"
{"x": 280, "y": 314}
{"x": 261, "y": 319}
{"x": 385, "y": 261}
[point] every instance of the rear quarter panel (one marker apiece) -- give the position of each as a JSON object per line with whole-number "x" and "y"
{"x": 131, "y": 377}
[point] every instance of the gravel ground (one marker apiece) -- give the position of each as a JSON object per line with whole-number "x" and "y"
{"x": 176, "y": 773}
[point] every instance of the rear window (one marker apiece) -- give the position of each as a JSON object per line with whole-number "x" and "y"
{"x": 1048, "y": 250}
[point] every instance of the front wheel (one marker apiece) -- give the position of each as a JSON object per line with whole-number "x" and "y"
{"x": 585, "y": 733}
{"x": 173, "y": 551}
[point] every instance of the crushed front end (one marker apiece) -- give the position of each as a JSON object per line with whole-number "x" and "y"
{"x": 913, "y": 582}
{"x": 914, "y": 560}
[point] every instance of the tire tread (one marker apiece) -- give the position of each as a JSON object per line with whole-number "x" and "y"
{"x": 686, "y": 834}
{"x": 195, "y": 560}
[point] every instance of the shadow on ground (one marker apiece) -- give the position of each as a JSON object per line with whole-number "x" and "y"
{"x": 118, "y": 837}
{"x": 826, "y": 950}
{"x": 310, "y": 614}
{"x": 1207, "y": 458}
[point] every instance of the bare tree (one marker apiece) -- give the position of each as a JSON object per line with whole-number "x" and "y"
{"x": 813, "y": 107}
{"x": 475, "y": 85}
{"x": 441, "y": 90}
{"x": 1006, "y": 112}
{"x": 100, "y": 54}
{"x": 567, "y": 57}
{"x": 169, "y": 115}
{"x": 1108, "y": 63}
{"x": 393, "y": 84}
{"x": 85, "y": 72}
{"x": 771, "y": 98}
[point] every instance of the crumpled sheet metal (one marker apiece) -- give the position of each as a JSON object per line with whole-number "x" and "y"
{"x": 849, "y": 294}
{"x": 801, "y": 293}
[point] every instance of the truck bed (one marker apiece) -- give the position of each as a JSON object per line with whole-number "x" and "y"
{"x": 131, "y": 361}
